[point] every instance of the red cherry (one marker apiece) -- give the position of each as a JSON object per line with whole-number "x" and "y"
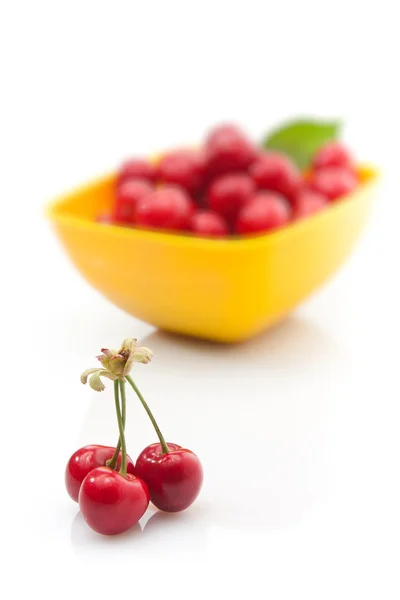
{"x": 129, "y": 194}
{"x": 206, "y": 223}
{"x": 185, "y": 168}
{"x": 276, "y": 172}
{"x": 333, "y": 154}
{"x": 228, "y": 149}
{"x": 228, "y": 193}
{"x": 265, "y": 212}
{"x": 111, "y": 503}
{"x": 333, "y": 182}
{"x": 174, "y": 479}
{"x": 308, "y": 202}
{"x": 137, "y": 168}
{"x": 168, "y": 207}
{"x": 85, "y": 460}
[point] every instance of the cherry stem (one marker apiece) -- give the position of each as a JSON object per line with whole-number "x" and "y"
{"x": 112, "y": 462}
{"x": 164, "y": 446}
{"x": 121, "y": 385}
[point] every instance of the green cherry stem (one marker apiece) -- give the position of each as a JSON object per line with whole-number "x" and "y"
{"x": 121, "y": 426}
{"x": 119, "y": 383}
{"x": 147, "y": 409}
{"x": 112, "y": 462}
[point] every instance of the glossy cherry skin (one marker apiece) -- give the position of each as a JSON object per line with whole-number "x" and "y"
{"x": 111, "y": 503}
{"x": 206, "y": 223}
{"x": 333, "y": 154}
{"x": 85, "y": 460}
{"x": 333, "y": 182}
{"x": 229, "y": 193}
{"x": 308, "y": 202}
{"x": 185, "y": 168}
{"x": 128, "y": 196}
{"x": 265, "y": 212}
{"x": 273, "y": 171}
{"x": 137, "y": 168}
{"x": 168, "y": 207}
{"x": 228, "y": 149}
{"x": 174, "y": 479}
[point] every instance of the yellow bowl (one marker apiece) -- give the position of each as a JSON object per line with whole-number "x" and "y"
{"x": 224, "y": 290}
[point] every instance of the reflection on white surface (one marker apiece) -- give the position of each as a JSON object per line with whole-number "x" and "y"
{"x": 86, "y": 540}
{"x": 189, "y": 528}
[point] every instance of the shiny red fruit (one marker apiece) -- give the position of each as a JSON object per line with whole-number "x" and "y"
{"x": 185, "y": 168}
{"x": 137, "y": 168}
{"x": 129, "y": 194}
{"x": 168, "y": 207}
{"x": 276, "y": 172}
{"x": 111, "y": 503}
{"x": 206, "y": 223}
{"x": 308, "y": 202}
{"x": 333, "y": 182}
{"x": 265, "y": 212}
{"x": 229, "y": 193}
{"x": 333, "y": 154}
{"x": 174, "y": 479}
{"x": 228, "y": 149}
{"x": 85, "y": 460}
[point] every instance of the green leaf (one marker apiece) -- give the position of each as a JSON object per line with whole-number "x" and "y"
{"x": 301, "y": 139}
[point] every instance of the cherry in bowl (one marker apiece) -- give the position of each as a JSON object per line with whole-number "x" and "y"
{"x": 265, "y": 212}
{"x": 333, "y": 182}
{"x": 168, "y": 208}
{"x": 207, "y": 223}
{"x": 137, "y": 168}
{"x": 228, "y": 149}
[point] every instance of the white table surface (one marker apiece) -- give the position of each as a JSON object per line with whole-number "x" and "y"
{"x": 298, "y": 430}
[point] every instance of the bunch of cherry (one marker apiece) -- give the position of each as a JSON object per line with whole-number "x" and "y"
{"x": 114, "y": 492}
{"x": 229, "y": 186}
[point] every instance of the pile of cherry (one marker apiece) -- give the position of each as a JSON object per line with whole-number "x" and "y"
{"x": 114, "y": 492}
{"x": 229, "y": 186}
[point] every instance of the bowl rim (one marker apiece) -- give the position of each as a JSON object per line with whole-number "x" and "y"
{"x": 55, "y": 215}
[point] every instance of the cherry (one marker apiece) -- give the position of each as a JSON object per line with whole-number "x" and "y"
{"x": 174, "y": 478}
{"x": 308, "y": 202}
{"x": 137, "y": 168}
{"x": 129, "y": 194}
{"x": 228, "y": 193}
{"x": 174, "y": 475}
{"x": 206, "y": 223}
{"x": 84, "y": 460}
{"x": 228, "y": 149}
{"x": 333, "y": 182}
{"x": 276, "y": 172}
{"x": 185, "y": 168}
{"x": 168, "y": 207}
{"x": 265, "y": 212}
{"x": 112, "y": 503}
{"x": 333, "y": 154}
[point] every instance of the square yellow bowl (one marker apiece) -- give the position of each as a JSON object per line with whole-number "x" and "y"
{"x": 224, "y": 290}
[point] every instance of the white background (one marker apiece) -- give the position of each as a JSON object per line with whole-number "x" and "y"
{"x": 298, "y": 429}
